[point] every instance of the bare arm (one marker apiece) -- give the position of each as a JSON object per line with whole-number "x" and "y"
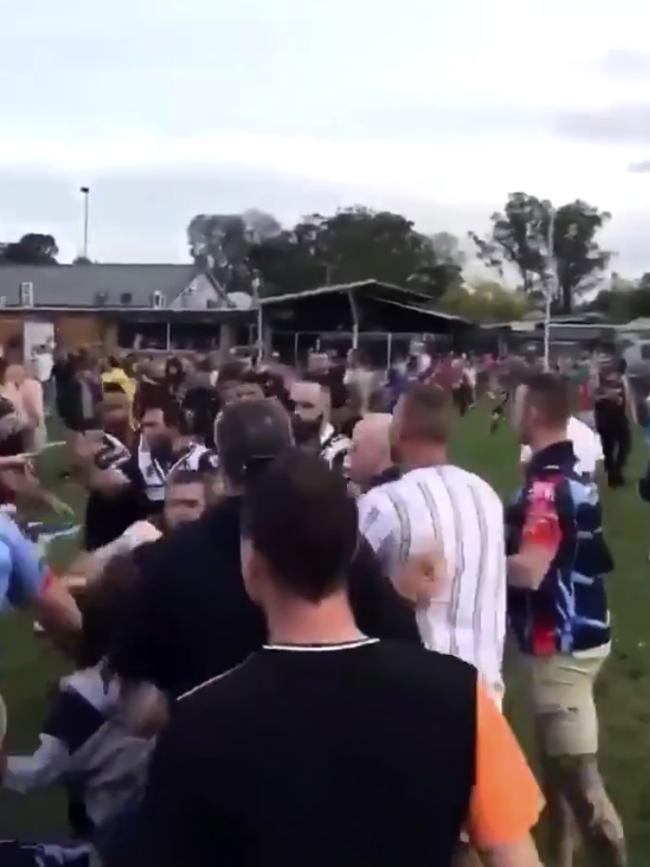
{"x": 528, "y": 568}
{"x": 522, "y": 853}
{"x": 56, "y": 610}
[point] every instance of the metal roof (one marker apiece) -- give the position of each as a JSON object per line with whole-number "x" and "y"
{"x": 449, "y": 317}
{"x": 81, "y": 286}
{"x": 343, "y": 287}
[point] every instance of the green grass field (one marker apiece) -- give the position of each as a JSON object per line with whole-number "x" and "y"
{"x": 29, "y": 667}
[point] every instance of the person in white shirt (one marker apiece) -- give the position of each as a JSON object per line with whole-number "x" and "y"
{"x": 435, "y": 504}
{"x": 587, "y": 448}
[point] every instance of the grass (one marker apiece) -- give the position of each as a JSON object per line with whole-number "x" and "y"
{"x": 29, "y": 667}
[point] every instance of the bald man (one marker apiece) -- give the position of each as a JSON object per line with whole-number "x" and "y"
{"x": 312, "y": 428}
{"x": 369, "y": 460}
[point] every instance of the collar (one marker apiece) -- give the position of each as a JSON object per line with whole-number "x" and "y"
{"x": 557, "y": 456}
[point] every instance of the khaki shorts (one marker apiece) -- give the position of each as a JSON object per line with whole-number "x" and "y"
{"x": 561, "y": 694}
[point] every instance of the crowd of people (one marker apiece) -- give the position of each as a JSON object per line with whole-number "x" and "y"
{"x": 289, "y": 615}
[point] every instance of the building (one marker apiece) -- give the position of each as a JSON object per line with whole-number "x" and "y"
{"x": 377, "y": 317}
{"x": 133, "y": 307}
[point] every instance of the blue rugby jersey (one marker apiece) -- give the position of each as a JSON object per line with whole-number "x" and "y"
{"x": 569, "y": 612}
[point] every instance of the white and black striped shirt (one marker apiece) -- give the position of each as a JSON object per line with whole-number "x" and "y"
{"x": 460, "y": 511}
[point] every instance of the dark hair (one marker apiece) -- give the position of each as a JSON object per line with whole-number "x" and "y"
{"x": 104, "y": 605}
{"x": 252, "y": 377}
{"x": 232, "y": 371}
{"x": 250, "y": 434}
{"x": 427, "y": 413}
{"x": 299, "y": 515}
{"x": 550, "y": 396}
{"x": 172, "y": 415}
{"x": 185, "y": 477}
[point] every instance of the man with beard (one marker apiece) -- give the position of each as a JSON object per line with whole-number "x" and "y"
{"x": 312, "y": 428}
{"x": 166, "y": 446}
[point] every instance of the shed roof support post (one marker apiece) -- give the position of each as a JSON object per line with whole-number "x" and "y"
{"x": 354, "y": 310}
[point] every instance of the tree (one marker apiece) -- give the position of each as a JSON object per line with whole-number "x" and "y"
{"x": 221, "y": 243}
{"x": 580, "y": 261}
{"x": 32, "y": 249}
{"x": 519, "y": 235}
{"x": 485, "y": 301}
{"x": 447, "y": 249}
{"x": 82, "y": 260}
{"x": 351, "y": 245}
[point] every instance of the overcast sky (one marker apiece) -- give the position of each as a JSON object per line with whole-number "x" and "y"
{"x": 168, "y": 108}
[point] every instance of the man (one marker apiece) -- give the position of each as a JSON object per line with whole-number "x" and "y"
{"x": 329, "y": 726}
{"x": 179, "y": 632}
{"x": 251, "y": 386}
{"x": 614, "y": 410}
{"x": 27, "y": 583}
{"x": 186, "y": 499}
{"x": 587, "y": 448}
{"x": 109, "y": 510}
{"x": 165, "y": 446}
{"x": 369, "y": 460}
{"x": 230, "y": 377}
{"x": 312, "y": 428}
{"x": 558, "y": 610}
{"x": 436, "y": 505}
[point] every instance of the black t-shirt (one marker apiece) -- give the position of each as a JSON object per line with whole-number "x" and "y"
{"x": 359, "y": 755}
{"x": 190, "y": 618}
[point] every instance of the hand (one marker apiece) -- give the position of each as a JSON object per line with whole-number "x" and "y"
{"x": 423, "y": 577}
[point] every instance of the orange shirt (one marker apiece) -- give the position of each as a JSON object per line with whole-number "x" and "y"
{"x": 506, "y": 801}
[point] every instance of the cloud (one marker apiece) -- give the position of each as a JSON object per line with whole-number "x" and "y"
{"x": 625, "y": 65}
{"x": 640, "y": 168}
{"x": 620, "y": 122}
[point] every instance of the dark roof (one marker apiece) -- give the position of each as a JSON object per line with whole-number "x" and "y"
{"x": 94, "y": 285}
{"x": 384, "y": 293}
{"x": 376, "y": 285}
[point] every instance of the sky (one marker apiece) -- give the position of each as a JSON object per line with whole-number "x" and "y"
{"x": 169, "y": 108}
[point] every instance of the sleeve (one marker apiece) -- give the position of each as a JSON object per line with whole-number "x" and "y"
{"x": 379, "y": 525}
{"x": 542, "y": 521}
{"x": 71, "y": 722}
{"x": 506, "y": 801}
{"x": 28, "y": 574}
{"x": 209, "y": 462}
{"x": 378, "y": 608}
{"x": 45, "y": 767}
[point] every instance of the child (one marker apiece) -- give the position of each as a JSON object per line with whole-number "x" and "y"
{"x": 84, "y": 743}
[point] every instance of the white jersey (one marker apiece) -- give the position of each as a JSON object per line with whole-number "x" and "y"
{"x": 448, "y": 506}
{"x": 195, "y": 457}
{"x": 334, "y": 448}
{"x": 587, "y": 447}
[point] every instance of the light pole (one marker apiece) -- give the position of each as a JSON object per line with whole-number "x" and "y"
{"x": 85, "y": 191}
{"x": 551, "y": 286}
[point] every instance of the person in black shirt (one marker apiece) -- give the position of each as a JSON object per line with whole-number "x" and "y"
{"x": 614, "y": 407}
{"x": 327, "y": 748}
{"x": 189, "y": 618}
